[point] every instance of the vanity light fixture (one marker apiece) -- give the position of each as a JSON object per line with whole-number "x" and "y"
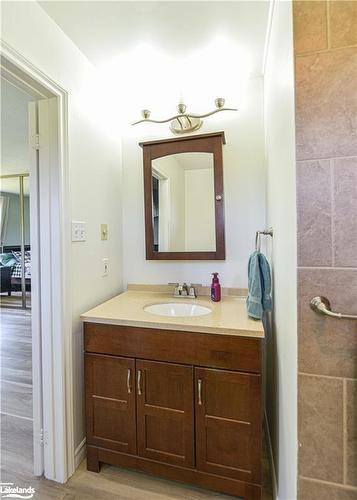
{"x": 183, "y": 122}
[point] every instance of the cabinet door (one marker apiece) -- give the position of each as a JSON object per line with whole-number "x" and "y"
{"x": 165, "y": 422}
{"x": 228, "y": 423}
{"x": 110, "y": 402}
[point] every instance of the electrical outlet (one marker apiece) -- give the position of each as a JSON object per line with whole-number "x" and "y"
{"x": 78, "y": 231}
{"x": 105, "y": 267}
{"x": 104, "y": 231}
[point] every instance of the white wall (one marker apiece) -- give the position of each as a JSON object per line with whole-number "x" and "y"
{"x": 281, "y": 214}
{"x": 200, "y": 234}
{"x": 169, "y": 167}
{"x": 244, "y": 185}
{"x": 94, "y": 166}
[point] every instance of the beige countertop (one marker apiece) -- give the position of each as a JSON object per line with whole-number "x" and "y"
{"x": 228, "y": 317}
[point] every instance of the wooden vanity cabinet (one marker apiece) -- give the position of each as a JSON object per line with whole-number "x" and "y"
{"x": 198, "y": 421}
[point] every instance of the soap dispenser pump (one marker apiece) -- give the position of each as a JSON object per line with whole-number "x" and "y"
{"x": 215, "y": 288}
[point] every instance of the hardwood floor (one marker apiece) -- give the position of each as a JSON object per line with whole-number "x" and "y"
{"x": 16, "y": 392}
{"x": 16, "y": 437}
{"x": 14, "y": 300}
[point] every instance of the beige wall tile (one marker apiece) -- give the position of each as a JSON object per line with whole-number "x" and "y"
{"x": 352, "y": 432}
{"x": 326, "y": 104}
{"x": 320, "y": 428}
{"x": 345, "y": 211}
{"x": 310, "y": 26}
{"x": 343, "y": 23}
{"x": 327, "y": 346}
{"x": 313, "y": 183}
{"x": 314, "y": 490}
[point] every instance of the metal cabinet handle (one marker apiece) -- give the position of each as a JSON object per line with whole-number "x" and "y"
{"x": 322, "y": 305}
{"x": 128, "y": 381}
{"x": 199, "y": 390}
{"x": 139, "y": 383}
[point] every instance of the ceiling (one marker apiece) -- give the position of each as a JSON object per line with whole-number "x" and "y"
{"x": 104, "y": 29}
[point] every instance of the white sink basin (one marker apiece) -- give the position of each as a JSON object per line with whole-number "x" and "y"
{"x": 174, "y": 309}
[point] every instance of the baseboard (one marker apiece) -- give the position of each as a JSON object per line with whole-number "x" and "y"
{"x": 80, "y": 453}
{"x": 271, "y": 458}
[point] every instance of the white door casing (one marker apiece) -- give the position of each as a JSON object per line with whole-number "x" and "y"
{"x": 50, "y": 239}
{"x": 35, "y": 293}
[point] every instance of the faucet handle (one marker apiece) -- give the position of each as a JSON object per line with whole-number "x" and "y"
{"x": 176, "y": 289}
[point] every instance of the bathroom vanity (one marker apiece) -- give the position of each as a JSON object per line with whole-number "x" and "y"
{"x": 178, "y": 397}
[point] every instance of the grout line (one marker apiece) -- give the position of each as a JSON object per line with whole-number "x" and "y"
{"x": 332, "y": 194}
{"x": 326, "y": 158}
{"x": 328, "y": 30}
{"x": 329, "y": 268}
{"x": 16, "y": 416}
{"x": 305, "y": 374}
{"x": 345, "y": 432}
{"x": 330, "y": 483}
{"x": 324, "y": 51}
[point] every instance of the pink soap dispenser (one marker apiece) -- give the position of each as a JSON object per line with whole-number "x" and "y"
{"x": 215, "y": 288}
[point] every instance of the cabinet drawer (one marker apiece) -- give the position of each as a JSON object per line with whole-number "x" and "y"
{"x": 191, "y": 348}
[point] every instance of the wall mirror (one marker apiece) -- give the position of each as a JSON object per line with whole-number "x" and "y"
{"x": 183, "y": 195}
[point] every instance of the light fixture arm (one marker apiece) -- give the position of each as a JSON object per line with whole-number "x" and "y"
{"x": 185, "y": 122}
{"x": 186, "y": 115}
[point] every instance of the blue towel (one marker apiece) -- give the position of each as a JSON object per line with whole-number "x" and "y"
{"x": 259, "y": 286}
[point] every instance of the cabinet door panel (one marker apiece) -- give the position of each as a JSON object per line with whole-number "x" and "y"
{"x": 110, "y": 402}
{"x": 165, "y": 422}
{"x": 228, "y": 423}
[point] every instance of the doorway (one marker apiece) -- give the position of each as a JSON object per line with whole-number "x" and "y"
{"x": 16, "y": 378}
{"x": 45, "y": 302}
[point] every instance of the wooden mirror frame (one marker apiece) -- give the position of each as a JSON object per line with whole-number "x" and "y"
{"x": 203, "y": 143}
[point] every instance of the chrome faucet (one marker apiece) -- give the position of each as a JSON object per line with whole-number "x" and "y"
{"x": 184, "y": 291}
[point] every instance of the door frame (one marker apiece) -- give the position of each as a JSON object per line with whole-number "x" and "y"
{"x": 164, "y": 209}
{"x": 51, "y": 325}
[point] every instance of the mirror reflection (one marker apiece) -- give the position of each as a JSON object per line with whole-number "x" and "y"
{"x": 183, "y": 203}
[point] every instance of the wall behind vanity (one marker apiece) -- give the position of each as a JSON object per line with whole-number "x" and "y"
{"x": 244, "y": 187}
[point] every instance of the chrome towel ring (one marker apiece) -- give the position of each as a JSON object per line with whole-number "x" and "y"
{"x": 266, "y": 232}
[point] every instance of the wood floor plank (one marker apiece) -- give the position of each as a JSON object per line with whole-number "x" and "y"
{"x": 16, "y": 399}
{"x": 16, "y": 443}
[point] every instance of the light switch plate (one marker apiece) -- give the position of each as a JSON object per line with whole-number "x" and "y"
{"x": 104, "y": 231}
{"x": 78, "y": 231}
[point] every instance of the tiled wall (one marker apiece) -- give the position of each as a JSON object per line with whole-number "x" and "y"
{"x": 325, "y": 39}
